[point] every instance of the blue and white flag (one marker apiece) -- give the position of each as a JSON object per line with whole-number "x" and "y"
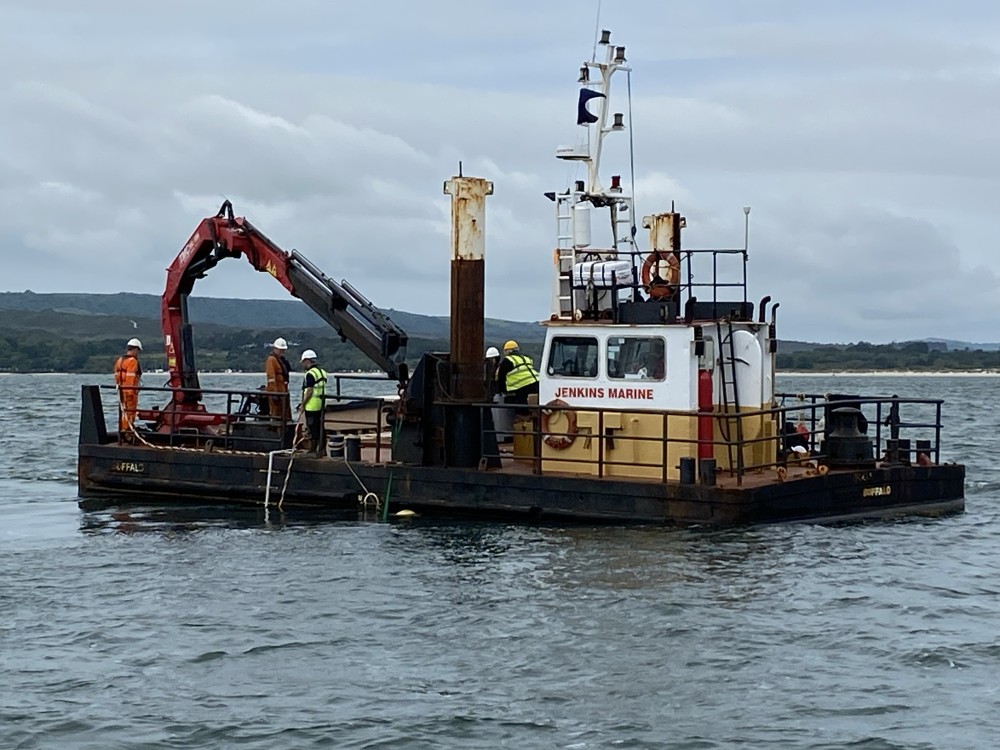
{"x": 583, "y": 116}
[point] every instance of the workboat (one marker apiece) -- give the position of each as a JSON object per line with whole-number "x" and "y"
{"x": 656, "y": 394}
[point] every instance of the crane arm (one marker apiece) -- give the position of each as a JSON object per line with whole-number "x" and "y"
{"x": 224, "y": 235}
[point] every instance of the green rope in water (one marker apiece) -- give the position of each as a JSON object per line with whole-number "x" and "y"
{"x": 388, "y": 484}
{"x": 385, "y": 500}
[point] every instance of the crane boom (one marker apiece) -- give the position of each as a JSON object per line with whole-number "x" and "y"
{"x": 353, "y": 316}
{"x": 224, "y": 235}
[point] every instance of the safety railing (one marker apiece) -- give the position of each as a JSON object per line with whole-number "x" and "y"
{"x": 241, "y": 419}
{"x": 719, "y": 286}
{"x": 898, "y": 430}
{"x": 339, "y": 378}
{"x": 375, "y": 429}
{"x": 922, "y": 424}
{"x": 224, "y": 418}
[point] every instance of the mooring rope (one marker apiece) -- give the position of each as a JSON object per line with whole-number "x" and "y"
{"x": 369, "y": 497}
{"x": 388, "y": 484}
{"x": 210, "y": 448}
{"x": 291, "y": 453}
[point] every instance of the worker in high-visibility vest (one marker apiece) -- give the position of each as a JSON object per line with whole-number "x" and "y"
{"x": 128, "y": 374}
{"x": 516, "y": 376}
{"x": 313, "y": 404}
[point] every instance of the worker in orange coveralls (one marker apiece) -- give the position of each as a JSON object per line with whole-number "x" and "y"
{"x": 128, "y": 373}
{"x": 276, "y": 368}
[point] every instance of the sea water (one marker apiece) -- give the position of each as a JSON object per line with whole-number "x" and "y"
{"x": 151, "y": 628}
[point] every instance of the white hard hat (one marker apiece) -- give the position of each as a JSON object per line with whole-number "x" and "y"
{"x": 136, "y": 343}
{"x": 492, "y": 352}
{"x": 280, "y": 343}
{"x": 308, "y": 354}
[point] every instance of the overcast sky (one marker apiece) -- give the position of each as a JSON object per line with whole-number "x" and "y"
{"x": 865, "y": 136}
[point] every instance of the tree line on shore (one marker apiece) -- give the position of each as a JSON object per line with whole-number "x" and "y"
{"x": 219, "y": 348}
{"x": 917, "y": 356}
{"x": 87, "y": 332}
{"x": 41, "y": 351}
{"x": 77, "y": 332}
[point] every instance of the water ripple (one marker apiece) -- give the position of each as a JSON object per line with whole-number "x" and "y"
{"x": 209, "y": 628}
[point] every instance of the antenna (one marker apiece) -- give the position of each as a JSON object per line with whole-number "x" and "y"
{"x": 746, "y": 228}
{"x": 597, "y": 26}
{"x": 460, "y": 168}
{"x": 631, "y": 149}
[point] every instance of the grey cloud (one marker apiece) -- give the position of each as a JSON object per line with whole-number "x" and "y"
{"x": 880, "y": 276}
{"x": 868, "y": 157}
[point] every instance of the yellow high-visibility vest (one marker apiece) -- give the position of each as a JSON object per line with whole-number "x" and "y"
{"x": 521, "y": 374}
{"x": 315, "y": 402}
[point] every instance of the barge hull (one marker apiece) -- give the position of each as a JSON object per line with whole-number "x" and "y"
{"x": 122, "y": 473}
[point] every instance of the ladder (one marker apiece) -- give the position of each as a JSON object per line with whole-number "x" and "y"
{"x": 270, "y": 490}
{"x": 622, "y": 223}
{"x": 730, "y": 421}
{"x": 624, "y": 243}
{"x": 565, "y": 256}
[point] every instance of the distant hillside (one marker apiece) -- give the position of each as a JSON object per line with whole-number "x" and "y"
{"x": 790, "y": 347}
{"x": 49, "y": 341}
{"x": 85, "y": 332}
{"x": 933, "y": 345}
{"x": 88, "y": 326}
{"x": 293, "y": 313}
{"x": 955, "y": 346}
{"x": 913, "y": 356}
{"x": 242, "y": 313}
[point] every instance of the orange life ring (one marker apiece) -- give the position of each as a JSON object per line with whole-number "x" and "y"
{"x": 661, "y": 273}
{"x": 563, "y": 440}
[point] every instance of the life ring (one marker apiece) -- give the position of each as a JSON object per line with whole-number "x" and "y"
{"x": 563, "y": 440}
{"x": 661, "y": 273}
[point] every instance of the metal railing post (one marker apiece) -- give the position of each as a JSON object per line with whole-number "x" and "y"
{"x": 665, "y": 444}
{"x": 600, "y": 444}
{"x": 536, "y": 428}
{"x": 937, "y": 434}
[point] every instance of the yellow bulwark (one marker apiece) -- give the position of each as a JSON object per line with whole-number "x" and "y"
{"x": 759, "y": 435}
{"x": 633, "y": 444}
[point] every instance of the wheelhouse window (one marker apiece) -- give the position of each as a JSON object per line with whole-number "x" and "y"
{"x": 573, "y": 357}
{"x": 636, "y": 358}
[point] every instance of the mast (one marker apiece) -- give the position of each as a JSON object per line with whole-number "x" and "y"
{"x": 574, "y": 206}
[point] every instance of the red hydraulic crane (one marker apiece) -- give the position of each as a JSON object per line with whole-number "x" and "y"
{"x": 227, "y": 236}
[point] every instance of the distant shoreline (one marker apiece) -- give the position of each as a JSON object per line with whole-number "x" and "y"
{"x": 346, "y": 374}
{"x": 891, "y": 374}
{"x": 780, "y": 373}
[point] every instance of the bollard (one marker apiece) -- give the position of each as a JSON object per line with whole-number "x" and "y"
{"x": 335, "y": 446}
{"x": 686, "y": 468}
{"x": 846, "y": 442}
{"x": 352, "y": 448}
{"x": 904, "y": 451}
{"x": 707, "y": 469}
{"x": 892, "y": 451}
